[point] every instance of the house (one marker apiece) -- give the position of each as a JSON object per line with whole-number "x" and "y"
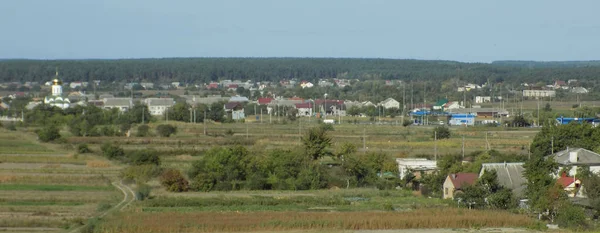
{"x": 306, "y": 84}
{"x": 175, "y": 84}
{"x": 325, "y": 83}
{"x": 483, "y": 99}
{"x": 575, "y": 157}
{"x": 232, "y": 87}
{"x": 147, "y": 86}
{"x": 439, "y": 105}
{"x": 571, "y": 185}
{"x": 455, "y": 182}
{"x": 416, "y": 166}
{"x": 235, "y": 110}
{"x": 559, "y": 84}
{"x": 158, "y": 106}
{"x": 264, "y": 101}
{"x": 305, "y": 109}
{"x": 451, "y": 105}
{"x": 579, "y": 90}
{"x": 74, "y": 85}
{"x": 390, "y": 103}
{"x": 212, "y": 85}
{"x": 539, "y": 93}
{"x": 195, "y": 100}
{"x": 510, "y": 175}
{"x": 240, "y": 99}
{"x": 123, "y": 104}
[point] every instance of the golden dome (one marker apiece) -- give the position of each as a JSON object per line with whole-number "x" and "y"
{"x": 56, "y": 82}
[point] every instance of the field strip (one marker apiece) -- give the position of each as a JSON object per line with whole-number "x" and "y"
{"x": 127, "y": 199}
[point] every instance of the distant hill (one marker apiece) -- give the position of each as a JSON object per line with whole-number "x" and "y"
{"x": 546, "y": 64}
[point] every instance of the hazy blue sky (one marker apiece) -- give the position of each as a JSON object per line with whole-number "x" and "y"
{"x": 474, "y": 30}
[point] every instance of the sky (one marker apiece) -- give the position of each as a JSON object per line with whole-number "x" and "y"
{"x": 460, "y": 30}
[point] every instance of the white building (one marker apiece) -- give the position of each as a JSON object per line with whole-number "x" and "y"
{"x": 483, "y": 99}
{"x": 576, "y": 157}
{"x": 158, "y": 106}
{"x": 57, "y": 99}
{"x": 390, "y": 103}
{"x": 406, "y": 165}
{"x": 539, "y": 93}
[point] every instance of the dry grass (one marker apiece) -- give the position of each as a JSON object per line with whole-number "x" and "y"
{"x": 276, "y": 221}
{"x": 97, "y": 164}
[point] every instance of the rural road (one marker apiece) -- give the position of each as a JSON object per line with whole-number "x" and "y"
{"x": 128, "y": 198}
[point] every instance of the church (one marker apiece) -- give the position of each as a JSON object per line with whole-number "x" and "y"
{"x": 57, "y": 99}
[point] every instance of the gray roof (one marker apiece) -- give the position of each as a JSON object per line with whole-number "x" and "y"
{"x": 510, "y": 175}
{"x": 280, "y": 102}
{"x": 117, "y": 102}
{"x": 584, "y": 157}
{"x": 476, "y": 110}
{"x": 194, "y": 99}
{"x": 159, "y": 102}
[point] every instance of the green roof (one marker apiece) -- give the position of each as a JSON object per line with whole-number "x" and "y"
{"x": 441, "y": 102}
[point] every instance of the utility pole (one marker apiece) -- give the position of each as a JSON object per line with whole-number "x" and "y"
{"x": 364, "y": 140}
{"x": 204, "y": 121}
{"x": 435, "y": 148}
{"x": 143, "y": 113}
{"x": 486, "y": 140}
{"x": 463, "y": 146}
{"x": 552, "y": 144}
{"x": 191, "y": 116}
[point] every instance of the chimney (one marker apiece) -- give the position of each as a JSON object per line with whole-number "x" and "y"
{"x": 453, "y": 176}
{"x": 573, "y": 157}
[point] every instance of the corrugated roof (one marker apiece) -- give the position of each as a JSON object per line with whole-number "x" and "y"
{"x": 110, "y": 102}
{"x": 583, "y": 157}
{"x": 510, "y": 175}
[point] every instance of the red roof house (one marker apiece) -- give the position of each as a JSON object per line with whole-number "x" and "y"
{"x": 455, "y": 182}
{"x": 264, "y": 101}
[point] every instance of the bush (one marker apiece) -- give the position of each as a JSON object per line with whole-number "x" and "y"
{"x": 174, "y": 181}
{"x": 83, "y": 148}
{"x": 166, "y": 130}
{"x": 142, "y": 131}
{"x": 442, "y": 132}
{"x": 48, "y": 133}
{"x": 327, "y": 127}
{"x": 142, "y": 192}
{"x": 570, "y": 216}
{"x": 112, "y": 151}
{"x": 141, "y": 157}
{"x": 141, "y": 173}
{"x": 406, "y": 123}
{"x": 11, "y": 127}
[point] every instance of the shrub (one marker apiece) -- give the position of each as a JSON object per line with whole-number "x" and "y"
{"x": 442, "y": 132}
{"x": 229, "y": 132}
{"x": 83, "y": 148}
{"x": 166, "y": 130}
{"x": 174, "y": 181}
{"x": 406, "y": 123}
{"x": 141, "y": 157}
{"x": 11, "y": 127}
{"x": 142, "y": 131}
{"x": 570, "y": 216}
{"x": 327, "y": 127}
{"x": 112, "y": 151}
{"x": 141, "y": 173}
{"x": 142, "y": 192}
{"x": 48, "y": 133}
{"x": 103, "y": 206}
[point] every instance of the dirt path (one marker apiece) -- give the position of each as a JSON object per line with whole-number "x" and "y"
{"x": 128, "y": 198}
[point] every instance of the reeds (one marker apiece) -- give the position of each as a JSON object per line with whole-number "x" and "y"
{"x": 273, "y": 221}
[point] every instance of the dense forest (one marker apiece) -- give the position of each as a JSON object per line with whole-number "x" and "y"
{"x": 203, "y": 70}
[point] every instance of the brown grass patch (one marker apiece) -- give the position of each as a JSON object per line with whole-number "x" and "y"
{"x": 97, "y": 164}
{"x": 277, "y": 221}
{"x": 51, "y": 166}
{"x": 7, "y": 178}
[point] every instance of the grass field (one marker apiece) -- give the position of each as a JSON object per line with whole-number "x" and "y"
{"x": 46, "y": 187}
{"x": 50, "y": 188}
